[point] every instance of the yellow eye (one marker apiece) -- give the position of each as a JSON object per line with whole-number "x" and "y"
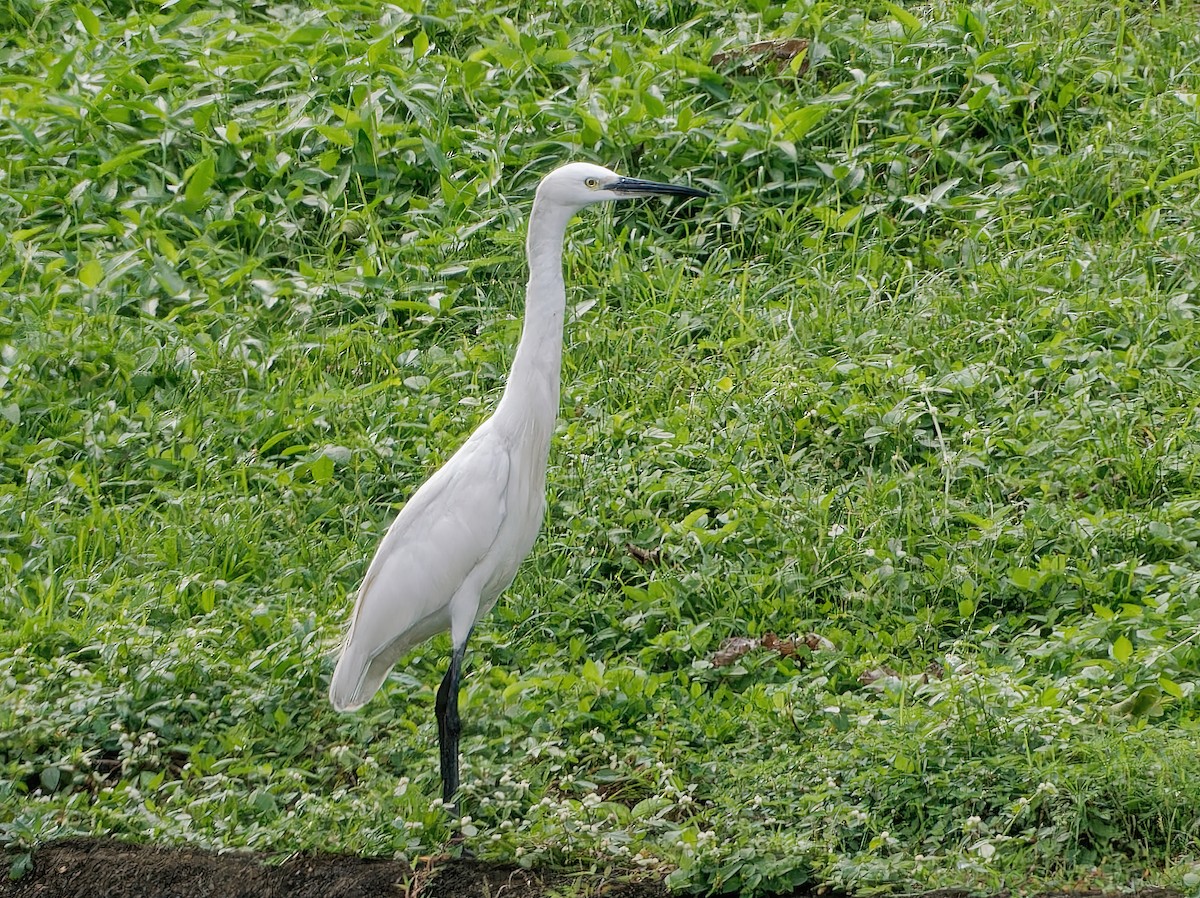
{"x": 591, "y": 182}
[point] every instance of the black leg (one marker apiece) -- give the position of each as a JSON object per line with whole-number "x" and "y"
{"x": 449, "y": 726}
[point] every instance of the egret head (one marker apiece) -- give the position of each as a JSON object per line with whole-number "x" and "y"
{"x": 580, "y": 184}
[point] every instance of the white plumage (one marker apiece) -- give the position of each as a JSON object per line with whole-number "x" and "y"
{"x": 457, "y": 543}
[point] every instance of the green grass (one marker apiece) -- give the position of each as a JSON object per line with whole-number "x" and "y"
{"x": 921, "y": 378}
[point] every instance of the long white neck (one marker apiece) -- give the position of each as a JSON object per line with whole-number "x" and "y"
{"x": 532, "y": 393}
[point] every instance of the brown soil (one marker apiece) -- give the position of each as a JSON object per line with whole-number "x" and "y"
{"x": 107, "y": 868}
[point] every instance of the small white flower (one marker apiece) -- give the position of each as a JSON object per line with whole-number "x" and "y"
{"x": 836, "y": 530}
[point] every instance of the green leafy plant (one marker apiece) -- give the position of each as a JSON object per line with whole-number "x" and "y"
{"x": 920, "y": 379}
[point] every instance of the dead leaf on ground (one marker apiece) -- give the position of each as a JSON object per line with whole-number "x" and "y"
{"x": 753, "y": 56}
{"x": 818, "y": 643}
{"x": 731, "y": 649}
{"x": 785, "y": 647}
{"x": 644, "y": 557}
{"x": 735, "y": 647}
{"x": 934, "y": 671}
{"x": 875, "y": 674}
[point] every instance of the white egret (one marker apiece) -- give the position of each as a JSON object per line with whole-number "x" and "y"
{"x": 457, "y": 543}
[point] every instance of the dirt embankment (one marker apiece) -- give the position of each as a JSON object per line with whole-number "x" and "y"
{"x": 107, "y": 868}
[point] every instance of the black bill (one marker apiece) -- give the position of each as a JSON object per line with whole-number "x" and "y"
{"x": 638, "y": 187}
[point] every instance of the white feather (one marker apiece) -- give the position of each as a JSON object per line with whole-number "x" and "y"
{"x": 457, "y": 543}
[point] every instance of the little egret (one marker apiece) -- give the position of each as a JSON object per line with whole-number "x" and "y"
{"x": 457, "y": 543}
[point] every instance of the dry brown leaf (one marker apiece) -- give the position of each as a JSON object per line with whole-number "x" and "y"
{"x": 735, "y": 647}
{"x": 732, "y": 649}
{"x": 875, "y": 674}
{"x": 751, "y": 56}
{"x": 644, "y": 557}
{"x": 818, "y": 643}
{"x": 785, "y": 647}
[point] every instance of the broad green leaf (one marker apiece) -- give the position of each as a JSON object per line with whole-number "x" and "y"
{"x": 166, "y": 247}
{"x": 649, "y": 807}
{"x": 800, "y": 122}
{"x": 849, "y": 217}
{"x": 340, "y": 136}
{"x": 88, "y": 19}
{"x": 561, "y": 57}
{"x": 91, "y": 273}
{"x": 271, "y": 442}
{"x": 907, "y": 20}
{"x": 378, "y": 50}
{"x": 49, "y": 778}
{"x": 420, "y": 44}
{"x": 22, "y": 863}
{"x": 1025, "y": 578}
{"x": 826, "y": 215}
{"x": 1145, "y": 702}
{"x": 593, "y": 672}
{"x": 973, "y": 25}
{"x": 26, "y": 233}
{"x": 54, "y": 74}
{"x": 127, "y": 155}
{"x": 200, "y": 179}
{"x": 1170, "y": 687}
{"x": 979, "y": 97}
{"x": 798, "y": 61}
{"x": 321, "y": 469}
{"x": 1122, "y": 649}
{"x": 593, "y": 131}
{"x": 510, "y": 30}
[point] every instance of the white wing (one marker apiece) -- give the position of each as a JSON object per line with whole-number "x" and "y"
{"x": 434, "y": 547}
